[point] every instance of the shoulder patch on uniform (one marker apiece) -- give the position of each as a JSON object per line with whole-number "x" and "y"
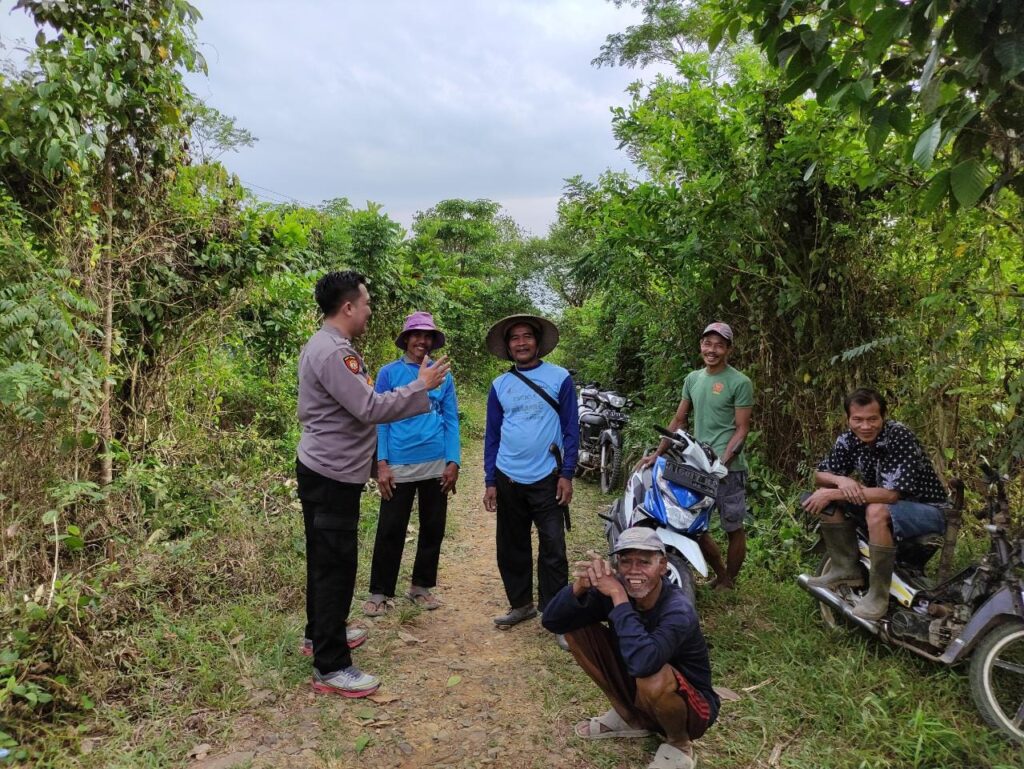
{"x": 352, "y": 363}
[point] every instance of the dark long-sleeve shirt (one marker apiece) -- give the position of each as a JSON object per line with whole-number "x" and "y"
{"x": 669, "y": 633}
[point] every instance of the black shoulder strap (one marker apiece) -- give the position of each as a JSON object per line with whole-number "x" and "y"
{"x": 536, "y": 388}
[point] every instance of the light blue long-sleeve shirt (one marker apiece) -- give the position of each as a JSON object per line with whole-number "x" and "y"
{"x": 424, "y": 438}
{"x": 521, "y": 426}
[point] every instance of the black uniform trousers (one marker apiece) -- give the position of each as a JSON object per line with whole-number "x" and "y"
{"x": 330, "y": 515}
{"x": 520, "y": 506}
{"x": 392, "y": 525}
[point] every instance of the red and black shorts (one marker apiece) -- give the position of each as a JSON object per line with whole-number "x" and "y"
{"x": 698, "y": 711}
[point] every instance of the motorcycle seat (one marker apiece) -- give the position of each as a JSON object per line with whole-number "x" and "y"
{"x": 592, "y": 419}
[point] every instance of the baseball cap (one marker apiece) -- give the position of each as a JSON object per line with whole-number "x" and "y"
{"x": 639, "y": 538}
{"x": 722, "y": 329}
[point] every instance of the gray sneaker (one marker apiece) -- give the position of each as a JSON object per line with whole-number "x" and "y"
{"x": 348, "y": 682}
{"x": 562, "y": 643}
{"x": 355, "y": 636}
{"x": 515, "y": 616}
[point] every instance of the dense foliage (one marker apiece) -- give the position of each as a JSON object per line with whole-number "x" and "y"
{"x": 152, "y": 311}
{"x": 779, "y": 215}
{"x": 150, "y": 320}
{"x": 935, "y": 74}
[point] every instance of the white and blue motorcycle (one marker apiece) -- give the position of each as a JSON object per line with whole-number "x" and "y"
{"x": 675, "y": 497}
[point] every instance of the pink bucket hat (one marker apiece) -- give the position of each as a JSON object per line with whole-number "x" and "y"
{"x": 419, "y": 321}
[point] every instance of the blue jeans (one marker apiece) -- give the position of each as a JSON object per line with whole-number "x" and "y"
{"x": 912, "y": 519}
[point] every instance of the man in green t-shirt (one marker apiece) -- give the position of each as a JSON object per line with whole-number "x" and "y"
{"x": 721, "y": 400}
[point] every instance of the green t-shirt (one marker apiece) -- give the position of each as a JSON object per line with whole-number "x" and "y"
{"x": 714, "y": 399}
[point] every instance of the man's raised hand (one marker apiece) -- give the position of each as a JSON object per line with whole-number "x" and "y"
{"x": 433, "y": 375}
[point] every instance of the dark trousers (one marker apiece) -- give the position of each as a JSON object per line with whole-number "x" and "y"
{"x": 520, "y": 506}
{"x": 392, "y": 525}
{"x": 330, "y": 515}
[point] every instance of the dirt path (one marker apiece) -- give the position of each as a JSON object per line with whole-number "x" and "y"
{"x": 456, "y": 691}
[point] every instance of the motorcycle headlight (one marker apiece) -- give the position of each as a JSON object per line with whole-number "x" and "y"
{"x": 678, "y": 517}
{"x": 617, "y": 401}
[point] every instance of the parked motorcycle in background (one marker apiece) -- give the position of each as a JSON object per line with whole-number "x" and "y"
{"x": 675, "y": 496}
{"x": 601, "y": 423}
{"x": 976, "y": 614}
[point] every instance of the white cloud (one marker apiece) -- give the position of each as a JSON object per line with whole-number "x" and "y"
{"x": 407, "y": 103}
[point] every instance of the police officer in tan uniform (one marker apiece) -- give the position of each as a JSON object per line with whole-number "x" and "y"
{"x": 338, "y": 410}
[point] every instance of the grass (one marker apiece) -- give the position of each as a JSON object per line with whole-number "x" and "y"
{"x": 198, "y": 629}
{"x": 809, "y": 697}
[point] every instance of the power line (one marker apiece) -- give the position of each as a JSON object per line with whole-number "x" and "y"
{"x": 288, "y": 198}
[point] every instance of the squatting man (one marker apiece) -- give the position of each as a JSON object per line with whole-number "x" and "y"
{"x": 650, "y": 659}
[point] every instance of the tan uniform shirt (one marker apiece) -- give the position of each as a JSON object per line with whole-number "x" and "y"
{"x": 338, "y": 408}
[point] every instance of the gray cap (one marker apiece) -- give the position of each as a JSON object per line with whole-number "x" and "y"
{"x": 639, "y": 538}
{"x": 724, "y": 330}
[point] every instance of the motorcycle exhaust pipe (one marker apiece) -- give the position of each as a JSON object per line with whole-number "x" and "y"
{"x": 837, "y": 603}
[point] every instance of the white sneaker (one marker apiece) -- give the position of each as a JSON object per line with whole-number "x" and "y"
{"x": 348, "y": 682}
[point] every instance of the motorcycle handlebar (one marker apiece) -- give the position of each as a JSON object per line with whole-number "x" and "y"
{"x": 671, "y": 436}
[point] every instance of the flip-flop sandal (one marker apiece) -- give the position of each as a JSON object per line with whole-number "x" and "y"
{"x": 607, "y": 726}
{"x": 427, "y": 601}
{"x": 671, "y": 757}
{"x": 373, "y": 608}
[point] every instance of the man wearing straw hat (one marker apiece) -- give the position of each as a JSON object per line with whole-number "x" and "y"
{"x": 419, "y": 458}
{"x": 530, "y": 449}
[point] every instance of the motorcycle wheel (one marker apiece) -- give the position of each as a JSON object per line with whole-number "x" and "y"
{"x": 611, "y": 468}
{"x": 997, "y": 679}
{"x": 679, "y": 574}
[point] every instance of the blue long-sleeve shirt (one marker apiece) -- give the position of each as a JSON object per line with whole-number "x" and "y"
{"x": 521, "y": 426}
{"x": 424, "y": 438}
{"x": 669, "y": 633}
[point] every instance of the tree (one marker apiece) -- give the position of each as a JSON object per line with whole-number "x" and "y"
{"x": 213, "y": 133}
{"x": 929, "y": 76}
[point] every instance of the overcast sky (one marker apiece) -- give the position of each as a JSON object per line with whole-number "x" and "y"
{"x": 409, "y": 102}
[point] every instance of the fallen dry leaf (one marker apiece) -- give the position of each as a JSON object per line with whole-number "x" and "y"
{"x": 727, "y": 694}
{"x": 409, "y": 639}
{"x": 383, "y": 699}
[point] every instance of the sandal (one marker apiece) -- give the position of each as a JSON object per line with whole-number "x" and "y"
{"x": 377, "y": 606}
{"x": 670, "y": 757}
{"x": 427, "y": 600}
{"x": 607, "y": 726}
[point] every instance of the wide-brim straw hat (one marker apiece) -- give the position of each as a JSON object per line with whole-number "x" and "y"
{"x": 420, "y": 321}
{"x": 547, "y": 335}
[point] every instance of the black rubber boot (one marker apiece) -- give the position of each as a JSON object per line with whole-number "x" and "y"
{"x": 876, "y": 602}
{"x": 844, "y": 554}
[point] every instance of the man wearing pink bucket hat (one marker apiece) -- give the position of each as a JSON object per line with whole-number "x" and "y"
{"x": 417, "y": 457}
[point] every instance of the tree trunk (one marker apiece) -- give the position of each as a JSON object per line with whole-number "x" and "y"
{"x": 106, "y": 431}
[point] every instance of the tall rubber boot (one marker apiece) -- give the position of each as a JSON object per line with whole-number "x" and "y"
{"x": 876, "y": 601}
{"x": 844, "y": 554}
